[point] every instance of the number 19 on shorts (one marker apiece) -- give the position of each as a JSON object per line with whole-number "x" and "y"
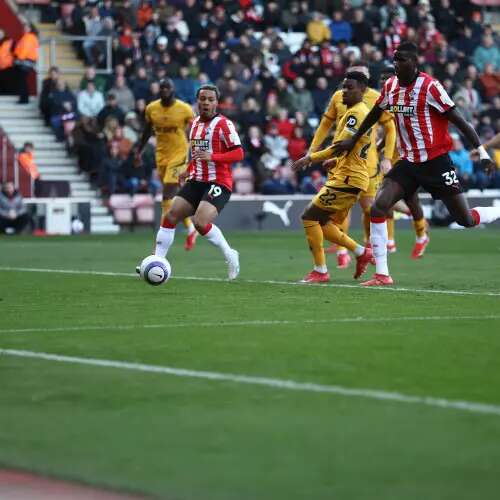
{"x": 215, "y": 191}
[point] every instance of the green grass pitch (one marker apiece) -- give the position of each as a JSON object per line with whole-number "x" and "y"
{"x": 182, "y": 437}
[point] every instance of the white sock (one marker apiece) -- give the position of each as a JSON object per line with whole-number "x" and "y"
{"x": 487, "y": 214}
{"x": 321, "y": 269}
{"x": 421, "y": 239}
{"x": 378, "y": 238}
{"x": 191, "y": 229}
{"x": 359, "y": 250}
{"x": 341, "y": 252}
{"x": 216, "y": 237}
{"x": 164, "y": 240}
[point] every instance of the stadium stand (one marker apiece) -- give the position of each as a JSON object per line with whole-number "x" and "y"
{"x": 276, "y": 64}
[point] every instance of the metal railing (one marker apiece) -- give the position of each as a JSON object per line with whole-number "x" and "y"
{"x": 10, "y": 169}
{"x": 50, "y": 44}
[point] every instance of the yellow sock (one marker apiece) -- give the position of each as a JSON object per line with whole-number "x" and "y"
{"x": 365, "y": 217}
{"x": 344, "y": 228}
{"x": 165, "y": 205}
{"x": 332, "y": 233}
{"x": 420, "y": 226}
{"x": 390, "y": 228}
{"x": 188, "y": 224}
{"x": 314, "y": 236}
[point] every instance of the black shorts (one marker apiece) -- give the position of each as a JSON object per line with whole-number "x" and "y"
{"x": 194, "y": 192}
{"x": 437, "y": 176}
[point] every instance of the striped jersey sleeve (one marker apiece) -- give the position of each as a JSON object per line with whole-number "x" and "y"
{"x": 438, "y": 98}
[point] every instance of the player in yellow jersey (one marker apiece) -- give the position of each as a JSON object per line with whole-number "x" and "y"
{"x": 169, "y": 118}
{"x": 334, "y": 112}
{"x": 348, "y": 178}
{"x": 410, "y": 206}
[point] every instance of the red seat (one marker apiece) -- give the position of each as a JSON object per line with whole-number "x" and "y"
{"x": 122, "y": 207}
{"x": 144, "y": 208}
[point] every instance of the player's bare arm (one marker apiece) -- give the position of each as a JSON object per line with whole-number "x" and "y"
{"x": 301, "y": 163}
{"x": 389, "y": 145}
{"x": 146, "y": 134}
{"x": 202, "y": 155}
{"x": 494, "y": 142}
{"x": 371, "y": 118}
{"x": 455, "y": 117}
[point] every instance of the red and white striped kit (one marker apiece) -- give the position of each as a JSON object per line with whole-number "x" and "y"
{"x": 216, "y": 136}
{"x": 418, "y": 110}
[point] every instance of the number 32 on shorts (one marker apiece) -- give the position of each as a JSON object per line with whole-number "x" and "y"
{"x": 214, "y": 191}
{"x": 450, "y": 178}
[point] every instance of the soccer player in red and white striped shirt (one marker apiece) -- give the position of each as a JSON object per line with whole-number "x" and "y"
{"x": 214, "y": 145}
{"x": 422, "y": 110}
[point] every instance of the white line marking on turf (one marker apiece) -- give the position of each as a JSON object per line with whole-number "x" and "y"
{"x": 262, "y": 322}
{"x": 261, "y": 282}
{"x": 264, "y": 381}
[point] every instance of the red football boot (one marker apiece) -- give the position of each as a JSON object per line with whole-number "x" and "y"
{"x": 419, "y": 248}
{"x": 362, "y": 262}
{"x": 190, "y": 241}
{"x": 343, "y": 260}
{"x": 316, "y": 277}
{"x": 378, "y": 280}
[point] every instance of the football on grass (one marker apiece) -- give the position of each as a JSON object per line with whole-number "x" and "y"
{"x": 155, "y": 270}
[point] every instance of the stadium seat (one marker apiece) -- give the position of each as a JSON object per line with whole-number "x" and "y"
{"x": 144, "y": 208}
{"x": 122, "y": 207}
{"x": 243, "y": 180}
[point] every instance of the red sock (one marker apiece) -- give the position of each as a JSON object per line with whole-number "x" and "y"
{"x": 475, "y": 216}
{"x": 206, "y": 229}
{"x": 167, "y": 224}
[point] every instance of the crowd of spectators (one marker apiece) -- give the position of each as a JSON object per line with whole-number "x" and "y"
{"x": 276, "y": 64}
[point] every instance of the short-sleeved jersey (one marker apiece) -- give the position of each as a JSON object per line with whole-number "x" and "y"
{"x": 350, "y": 170}
{"x": 336, "y": 110}
{"x": 422, "y": 129}
{"x": 169, "y": 125}
{"x": 216, "y": 136}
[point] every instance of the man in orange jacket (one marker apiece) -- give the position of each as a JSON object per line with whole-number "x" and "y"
{"x": 27, "y": 161}
{"x": 26, "y": 55}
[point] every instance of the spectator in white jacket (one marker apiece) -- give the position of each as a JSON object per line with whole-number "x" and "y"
{"x": 276, "y": 145}
{"x": 90, "y": 101}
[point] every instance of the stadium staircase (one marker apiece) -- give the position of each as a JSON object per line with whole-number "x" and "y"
{"x": 23, "y": 123}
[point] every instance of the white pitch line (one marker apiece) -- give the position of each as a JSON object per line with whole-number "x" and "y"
{"x": 264, "y": 322}
{"x": 264, "y": 381}
{"x": 259, "y": 282}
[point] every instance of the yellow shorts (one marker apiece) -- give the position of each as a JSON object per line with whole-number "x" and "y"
{"x": 336, "y": 201}
{"x": 375, "y": 182}
{"x": 169, "y": 172}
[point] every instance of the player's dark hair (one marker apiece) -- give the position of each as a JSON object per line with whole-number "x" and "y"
{"x": 208, "y": 86}
{"x": 360, "y": 62}
{"x": 358, "y": 76}
{"x": 407, "y": 46}
{"x": 166, "y": 82}
{"x": 388, "y": 68}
